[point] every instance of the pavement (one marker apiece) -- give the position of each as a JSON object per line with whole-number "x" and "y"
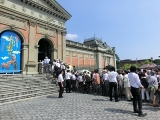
{"x": 74, "y": 106}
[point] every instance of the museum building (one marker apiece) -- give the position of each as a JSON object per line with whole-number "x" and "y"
{"x": 33, "y": 29}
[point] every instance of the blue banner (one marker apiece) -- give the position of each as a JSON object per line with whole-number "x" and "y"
{"x": 10, "y": 52}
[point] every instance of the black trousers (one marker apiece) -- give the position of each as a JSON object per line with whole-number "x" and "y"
{"x": 111, "y": 86}
{"x": 80, "y": 85}
{"x": 86, "y": 87}
{"x": 73, "y": 85}
{"x": 68, "y": 85}
{"x": 136, "y": 99}
{"x": 61, "y": 89}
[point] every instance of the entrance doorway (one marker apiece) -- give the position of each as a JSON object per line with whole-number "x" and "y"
{"x": 44, "y": 49}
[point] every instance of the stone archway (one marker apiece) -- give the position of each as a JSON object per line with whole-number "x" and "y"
{"x": 45, "y": 48}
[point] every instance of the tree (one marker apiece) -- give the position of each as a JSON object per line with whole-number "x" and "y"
{"x": 147, "y": 62}
{"x": 117, "y": 57}
{"x": 117, "y": 61}
{"x": 156, "y": 61}
{"x": 126, "y": 66}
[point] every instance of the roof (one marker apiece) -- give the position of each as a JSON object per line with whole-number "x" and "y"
{"x": 96, "y": 42}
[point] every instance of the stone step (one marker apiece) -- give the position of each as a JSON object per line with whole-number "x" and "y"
{"x": 14, "y": 98}
{"x": 17, "y": 87}
{"x": 9, "y": 89}
{"x": 11, "y": 94}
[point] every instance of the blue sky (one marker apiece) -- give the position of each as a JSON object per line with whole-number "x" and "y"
{"x": 132, "y": 26}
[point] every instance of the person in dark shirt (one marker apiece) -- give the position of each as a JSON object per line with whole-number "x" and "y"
{"x": 145, "y": 89}
{"x": 74, "y": 69}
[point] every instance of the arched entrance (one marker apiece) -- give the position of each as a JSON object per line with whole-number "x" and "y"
{"x": 10, "y": 52}
{"x": 45, "y": 49}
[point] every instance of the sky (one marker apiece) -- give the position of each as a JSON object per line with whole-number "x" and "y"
{"x": 132, "y": 26}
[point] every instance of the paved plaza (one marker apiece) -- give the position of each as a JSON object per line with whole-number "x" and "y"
{"x": 74, "y": 106}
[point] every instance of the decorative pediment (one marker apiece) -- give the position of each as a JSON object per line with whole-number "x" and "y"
{"x": 50, "y": 6}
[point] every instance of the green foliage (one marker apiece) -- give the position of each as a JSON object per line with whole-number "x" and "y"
{"x": 126, "y": 66}
{"x": 156, "y": 61}
{"x": 118, "y": 64}
{"x": 138, "y": 65}
{"x": 117, "y": 57}
{"x": 147, "y": 62}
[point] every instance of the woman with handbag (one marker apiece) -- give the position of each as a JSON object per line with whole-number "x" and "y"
{"x": 153, "y": 85}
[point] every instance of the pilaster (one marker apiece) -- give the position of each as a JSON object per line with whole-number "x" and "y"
{"x": 31, "y": 64}
{"x": 84, "y": 60}
{"x": 64, "y": 46}
{"x": 70, "y": 54}
{"x": 78, "y": 59}
{"x": 24, "y": 57}
{"x": 59, "y": 45}
{"x": 99, "y": 61}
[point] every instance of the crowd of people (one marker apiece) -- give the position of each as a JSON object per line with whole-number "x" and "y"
{"x": 133, "y": 85}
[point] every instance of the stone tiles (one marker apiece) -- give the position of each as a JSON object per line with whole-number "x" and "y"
{"x": 74, "y": 106}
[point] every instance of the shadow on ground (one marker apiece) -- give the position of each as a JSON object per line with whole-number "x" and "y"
{"x": 116, "y": 110}
{"x": 99, "y": 100}
{"x": 52, "y": 96}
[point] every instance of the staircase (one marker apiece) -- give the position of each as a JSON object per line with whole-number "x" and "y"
{"x": 17, "y": 87}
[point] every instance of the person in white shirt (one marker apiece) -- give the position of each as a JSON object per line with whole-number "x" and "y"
{"x": 105, "y": 83}
{"x": 46, "y": 64}
{"x": 60, "y": 83}
{"x": 58, "y": 64}
{"x": 80, "y": 80}
{"x": 73, "y": 81}
{"x": 127, "y": 86}
{"x": 135, "y": 85}
{"x": 120, "y": 83}
{"x": 113, "y": 84}
{"x": 68, "y": 81}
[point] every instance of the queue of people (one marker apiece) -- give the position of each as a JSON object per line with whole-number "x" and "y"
{"x": 135, "y": 85}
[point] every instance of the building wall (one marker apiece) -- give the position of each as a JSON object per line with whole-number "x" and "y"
{"x": 82, "y": 56}
{"x": 33, "y": 24}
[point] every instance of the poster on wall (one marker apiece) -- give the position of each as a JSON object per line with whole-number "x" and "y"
{"x": 10, "y": 52}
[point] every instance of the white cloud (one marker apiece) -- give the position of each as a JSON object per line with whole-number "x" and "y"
{"x": 6, "y": 38}
{"x": 16, "y": 52}
{"x": 4, "y": 58}
{"x": 71, "y": 36}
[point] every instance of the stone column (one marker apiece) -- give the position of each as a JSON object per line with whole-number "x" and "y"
{"x": 59, "y": 45}
{"x": 24, "y": 58}
{"x": 99, "y": 61}
{"x": 114, "y": 57}
{"x": 105, "y": 61}
{"x": 36, "y": 56}
{"x": 108, "y": 60}
{"x": 64, "y": 47}
{"x": 31, "y": 64}
{"x": 70, "y": 55}
{"x": 84, "y": 60}
{"x": 55, "y": 54}
{"x": 78, "y": 59}
{"x": 52, "y": 54}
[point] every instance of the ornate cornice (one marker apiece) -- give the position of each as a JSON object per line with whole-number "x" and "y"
{"x": 32, "y": 23}
{"x": 63, "y": 15}
{"x": 17, "y": 15}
